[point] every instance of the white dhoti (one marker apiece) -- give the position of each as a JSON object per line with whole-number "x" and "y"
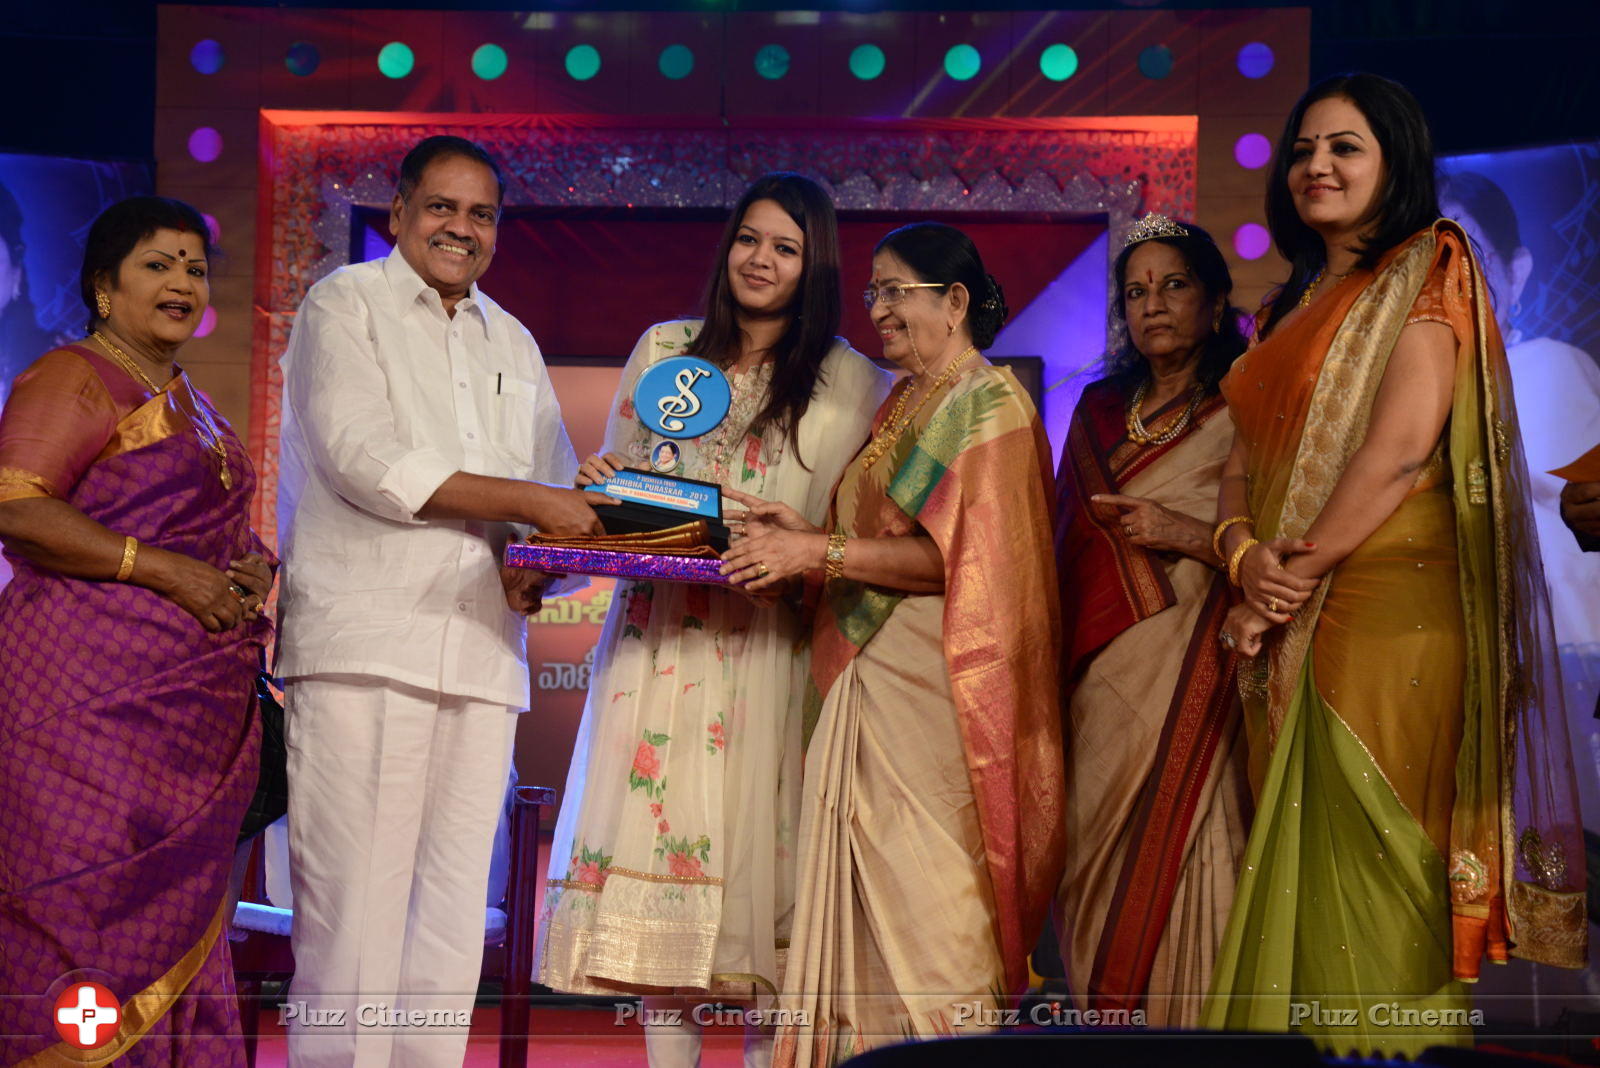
{"x": 393, "y": 800}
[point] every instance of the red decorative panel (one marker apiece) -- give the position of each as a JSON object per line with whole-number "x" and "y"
{"x": 1151, "y": 35}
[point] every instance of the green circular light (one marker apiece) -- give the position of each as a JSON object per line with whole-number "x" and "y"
{"x": 583, "y": 62}
{"x": 772, "y": 62}
{"x": 395, "y": 60}
{"x": 1058, "y": 63}
{"x": 867, "y": 62}
{"x": 489, "y": 62}
{"x": 676, "y": 62}
{"x": 962, "y": 62}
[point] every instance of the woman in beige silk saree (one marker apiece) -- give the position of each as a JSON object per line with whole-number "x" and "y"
{"x": 931, "y": 820}
{"x": 1157, "y": 804}
{"x": 1415, "y": 807}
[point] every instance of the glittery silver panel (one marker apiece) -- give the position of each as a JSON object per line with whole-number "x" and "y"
{"x": 321, "y": 171}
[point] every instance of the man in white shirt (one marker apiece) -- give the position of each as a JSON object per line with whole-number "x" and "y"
{"x": 418, "y": 426}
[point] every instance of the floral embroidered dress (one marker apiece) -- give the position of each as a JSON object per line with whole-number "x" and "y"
{"x": 673, "y": 860}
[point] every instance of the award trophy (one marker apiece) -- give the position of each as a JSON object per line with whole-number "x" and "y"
{"x": 662, "y": 527}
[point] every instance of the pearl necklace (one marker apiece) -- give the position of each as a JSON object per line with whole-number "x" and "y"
{"x": 1137, "y": 431}
{"x": 204, "y": 429}
{"x": 896, "y": 424}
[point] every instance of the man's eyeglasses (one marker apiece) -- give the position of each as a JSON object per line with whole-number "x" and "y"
{"x": 894, "y": 294}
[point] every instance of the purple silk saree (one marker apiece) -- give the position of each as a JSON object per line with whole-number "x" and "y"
{"x": 128, "y": 734}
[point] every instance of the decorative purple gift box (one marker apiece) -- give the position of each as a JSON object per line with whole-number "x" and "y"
{"x": 609, "y": 563}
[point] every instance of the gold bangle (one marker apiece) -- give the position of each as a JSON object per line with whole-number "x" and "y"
{"x": 130, "y": 551}
{"x": 833, "y": 563}
{"x": 1216, "y": 535}
{"x": 1238, "y": 556}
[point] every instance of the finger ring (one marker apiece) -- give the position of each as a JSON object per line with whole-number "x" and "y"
{"x": 761, "y": 570}
{"x": 1228, "y": 640}
{"x": 1128, "y": 531}
{"x": 237, "y": 590}
{"x": 1273, "y": 606}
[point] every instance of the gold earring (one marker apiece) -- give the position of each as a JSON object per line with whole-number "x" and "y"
{"x": 1216, "y": 321}
{"x": 102, "y": 304}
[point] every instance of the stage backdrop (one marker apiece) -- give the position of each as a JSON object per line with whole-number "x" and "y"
{"x": 1535, "y": 216}
{"x": 46, "y": 206}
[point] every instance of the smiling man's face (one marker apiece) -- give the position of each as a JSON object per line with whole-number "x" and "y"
{"x": 446, "y": 227}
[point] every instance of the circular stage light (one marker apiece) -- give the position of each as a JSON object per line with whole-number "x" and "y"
{"x": 302, "y": 59}
{"x": 1155, "y": 61}
{"x": 205, "y": 144}
{"x": 583, "y": 62}
{"x": 489, "y": 62}
{"x": 207, "y": 56}
{"x": 395, "y": 60}
{"x": 867, "y": 62}
{"x": 1058, "y": 62}
{"x": 962, "y": 62}
{"x": 1251, "y": 241}
{"x": 212, "y": 227}
{"x": 772, "y": 62}
{"x": 208, "y": 321}
{"x": 676, "y": 62}
{"x": 1253, "y": 150}
{"x": 1255, "y": 60}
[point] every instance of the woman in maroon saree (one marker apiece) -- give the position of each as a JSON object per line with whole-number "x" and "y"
{"x": 129, "y": 638}
{"x": 1157, "y": 808}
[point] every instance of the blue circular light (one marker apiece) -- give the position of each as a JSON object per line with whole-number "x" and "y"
{"x": 1155, "y": 62}
{"x": 963, "y": 62}
{"x": 1255, "y": 60}
{"x": 396, "y": 59}
{"x": 489, "y": 62}
{"x": 867, "y": 62}
{"x": 676, "y": 62}
{"x": 772, "y": 62}
{"x": 207, "y": 56}
{"x": 1058, "y": 62}
{"x": 302, "y": 59}
{"x": 583, "y": 62}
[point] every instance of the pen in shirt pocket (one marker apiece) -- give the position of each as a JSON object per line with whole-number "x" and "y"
{"x": 497, "y": 376}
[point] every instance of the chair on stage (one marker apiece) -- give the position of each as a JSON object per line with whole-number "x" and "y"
{"x": 261, "y": 954}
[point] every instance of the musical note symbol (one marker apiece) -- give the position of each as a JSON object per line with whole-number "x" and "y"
{"x": 675, "y": 409}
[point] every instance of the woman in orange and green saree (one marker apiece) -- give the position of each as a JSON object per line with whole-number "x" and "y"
{"x": 1415, "y": 806}
{"x": 931, "y": 815}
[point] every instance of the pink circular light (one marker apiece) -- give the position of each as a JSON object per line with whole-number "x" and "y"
{"x": 212, "y": 228}
{"x": 1252, "y": 151}
{"x": 208, "y": 322}
{"x": 205, "y": 144}
{"x": 1251, "y": 241}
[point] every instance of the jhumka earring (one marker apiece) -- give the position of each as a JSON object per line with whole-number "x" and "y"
{"x": 102, "y": 304}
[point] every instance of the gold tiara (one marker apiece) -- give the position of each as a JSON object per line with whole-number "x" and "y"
{"x": 1153, "y": 225}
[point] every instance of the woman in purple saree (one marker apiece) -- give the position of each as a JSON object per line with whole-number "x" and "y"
{"x": 129, "y": 638}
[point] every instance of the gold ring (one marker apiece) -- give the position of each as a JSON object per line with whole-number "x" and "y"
{"x": 1128, "y": 531}
{"x": 761, "y": 570}
{"x": 1273, "y": 606}
{"x": 237, "y": 590}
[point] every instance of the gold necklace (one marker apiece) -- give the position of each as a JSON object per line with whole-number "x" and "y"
{"x": 1311, "y": 290}
{"x": 210, "y": 436}
{"x": 894, "y": 426}
{"x": 1139, "y": 433}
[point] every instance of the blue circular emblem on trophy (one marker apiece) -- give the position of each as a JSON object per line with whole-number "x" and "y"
{"x": 682, "y": 397}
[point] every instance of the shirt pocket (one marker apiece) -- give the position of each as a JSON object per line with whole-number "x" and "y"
{"x": 512, "y": 416}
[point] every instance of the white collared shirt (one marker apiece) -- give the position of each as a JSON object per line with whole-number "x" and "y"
{"x": 384, "y": 397}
